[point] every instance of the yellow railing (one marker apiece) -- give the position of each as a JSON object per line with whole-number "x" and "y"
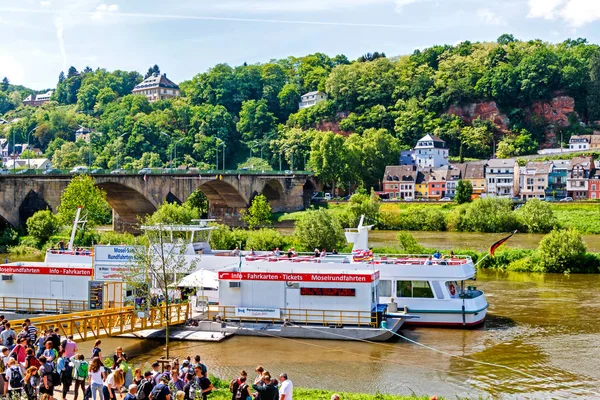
{"x": 301, "y": 316}
{"x": 28, "y": 305}
{"x": 115, "y": 321}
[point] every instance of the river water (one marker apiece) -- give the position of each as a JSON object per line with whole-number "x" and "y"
{"x": 546, "y": 327}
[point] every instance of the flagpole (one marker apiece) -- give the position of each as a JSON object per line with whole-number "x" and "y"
{"x": 482, "y": 258}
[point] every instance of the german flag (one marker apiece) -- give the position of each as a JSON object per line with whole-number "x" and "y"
{"x": 499, "y": 243}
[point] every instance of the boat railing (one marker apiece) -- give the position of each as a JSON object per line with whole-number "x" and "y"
{"x": 83, "y": 251}
{"x": 417, "y": 259}
{"x": 300, "y": 317}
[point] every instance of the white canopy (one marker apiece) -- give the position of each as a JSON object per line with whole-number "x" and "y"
{"x": 200, "y": 278}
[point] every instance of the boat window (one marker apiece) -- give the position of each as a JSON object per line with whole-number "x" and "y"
{"x": 413, "y": 289}
{"x": 385, "y": 288}
{"x": 437, "y": 289}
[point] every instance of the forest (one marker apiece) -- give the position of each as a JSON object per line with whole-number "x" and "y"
{"x": 377, "y": 106}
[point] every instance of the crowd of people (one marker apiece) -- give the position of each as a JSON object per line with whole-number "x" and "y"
{"x": 42, "y": 366}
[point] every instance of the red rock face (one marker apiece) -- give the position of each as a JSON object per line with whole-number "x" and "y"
{"x": 556, "y": 112}
{"x": 485, "y": 111}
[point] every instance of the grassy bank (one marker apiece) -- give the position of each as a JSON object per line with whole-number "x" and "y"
{"x": 317, "y": 394}
{"x": 585, "y": 217}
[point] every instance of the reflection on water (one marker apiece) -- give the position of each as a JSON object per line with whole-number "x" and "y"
{"x": 546, "y": 326}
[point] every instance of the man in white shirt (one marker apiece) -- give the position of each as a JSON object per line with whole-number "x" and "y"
{"x": 286, "y": 388}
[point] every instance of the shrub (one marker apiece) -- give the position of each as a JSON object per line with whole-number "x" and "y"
{"x": 42, "y": 225}
{"x": 173, "y": 213}
{"x": 222, "y": 238}
{"x": 264, "y": 239}
{"x": 409, "y": 244}
{"x": 363, "y": 204}
{"x": 562, "y": 251}
{"x": 318, "y": 229}
{"x": 485, "y": 215}
{"x": 537, "y": 216}
{"x": 258, "y": 214}
{"x": 464, "y": 190}
{"x": 115, "y": 238}
{"x": 8, "y": 237}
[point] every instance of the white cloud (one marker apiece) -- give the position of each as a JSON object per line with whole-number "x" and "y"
{"x": 45, "y": 3}
{"x": 104, "y": 9}
{"x": 400, "y": 4}
{"x": 489, "y": 17}
{"x": 575, "y": 12}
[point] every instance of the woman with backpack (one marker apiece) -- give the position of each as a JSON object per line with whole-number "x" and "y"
{"x": 30, "y": 360}
{"x": 80, "y": 373}
{"x": 19, "y": 352}
{"x": 243, "y": 391}
{"x": 13, "y": 385}
{"x": 97, "y": 351}
{"x": 64, "y": 367}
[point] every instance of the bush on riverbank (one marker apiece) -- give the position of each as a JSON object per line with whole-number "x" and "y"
{"x": 484, "y": 215}
{"x": 225, "y": 238}
{"x": 414, "y": 218}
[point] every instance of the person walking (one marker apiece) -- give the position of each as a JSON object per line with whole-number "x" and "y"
{"x": 69, "y": 347}
{"x": 50, "y": 353}
{"x": 206, "y": 386}
{"x": 235, "y": 384}
{"x": 8, "y": 337}
{"x": 96, "y": 376}
{"x": 145, "y": 386}
{"x": 31, "y": 330}
{"x": 64, "y": 367}
{"x": 46, "y": 375}
{"x": 31, "y": 382}
{"x": 97, "y": 351}
{"x": 161, "y": 391}
{"x": 20, "y": 350}
{"x": 80, "y": 374}
{"x": 286, "y": 388}
{"x": 266, "y": 391}
{"x": 243, "y": 390}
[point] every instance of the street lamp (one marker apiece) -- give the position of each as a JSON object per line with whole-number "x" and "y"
{"x": 221, "y": 143}
{"x": 175, "y": 151}
{"x": 28, "y": 155}
{"x": 171, "y": 152}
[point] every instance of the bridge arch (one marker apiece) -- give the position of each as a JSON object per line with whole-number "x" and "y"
{"x": 307, "y": 191}
{"x": 32, "y": 203}
{"x": 224, "y": 201}
{"x": 128, "y": 205}
{"x": 274, "y": 191}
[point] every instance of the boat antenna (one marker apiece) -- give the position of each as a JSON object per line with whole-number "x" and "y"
{"x": 76, "y": 223}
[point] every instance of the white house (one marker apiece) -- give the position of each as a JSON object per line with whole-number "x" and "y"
{"x": 157, "y": 87}
{"x": 311, "y": 98}
{"x": 32, "y": 163}
{"x": 502, "y": 177}
{"x": 579, "y": 142}
{"x": 431, "y": 152}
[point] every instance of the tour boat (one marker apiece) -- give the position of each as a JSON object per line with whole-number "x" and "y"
{"x": 437, "y": 291}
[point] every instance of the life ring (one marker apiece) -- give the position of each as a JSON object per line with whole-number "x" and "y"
{"x": 452, "y": 289}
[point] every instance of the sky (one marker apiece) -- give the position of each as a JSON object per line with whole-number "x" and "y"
{"x": 41, "y": 38}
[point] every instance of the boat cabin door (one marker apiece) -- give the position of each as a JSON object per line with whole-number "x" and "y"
{"x": 57, "y": 290}
{"x": 292, "y": 295}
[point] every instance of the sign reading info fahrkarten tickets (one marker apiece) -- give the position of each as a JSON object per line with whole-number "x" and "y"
{"x": 111, "y": 261}
{"x": 35, "y": 270}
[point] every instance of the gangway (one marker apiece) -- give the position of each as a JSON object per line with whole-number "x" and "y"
{"x": 95, "y": 324}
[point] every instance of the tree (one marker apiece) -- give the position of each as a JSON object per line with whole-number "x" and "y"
{"x": 72, "y": 72}
{"x": 174, "y": 214}
{"x": 593, "y": 97}
{"x": 327, "y": 157}
{"x": 319, "y": 229}
{"x": 5, "y": 104}
{"x": 255, "y": 164}
{"x": 156, "y": 266}
{"x": 258, "y": 214}
{"x": 537, "y": 216}
{"x": 199, "y": 201}
{"x": 42, "y": 225}
{"x": 464, "y": 190}
{"x": 256, "y": 122}
{"x": 67, "y": 156}
{"x": 83, "y": 192}
{"x": 516, "y": 145}
{"x": 362, "y": 204}
{"x": 561, "y": 251}
{"x": 61, "y": 77}
{"x": 5, "y": 84}
{"x": 289, "y": 98}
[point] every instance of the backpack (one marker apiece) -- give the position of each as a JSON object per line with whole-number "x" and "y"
{"x": 194, "y": 389}
{"x": 10, "y": 341}
{"x": 158, "y": 392}
{"x": 233, "y": 385}
{"x": 141, "y": 393}
{"x": 66, "y": 375}
{"x": 242, "y": 392}
{"x": 16, "y": 379}
{"x": 34, "y": 362}
{"x": 82, "y": 369}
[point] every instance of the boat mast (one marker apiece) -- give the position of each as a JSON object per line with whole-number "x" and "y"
{"x": 76, "y": 223}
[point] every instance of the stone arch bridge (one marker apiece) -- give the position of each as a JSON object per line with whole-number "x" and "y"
{"x": 133, "y": 196}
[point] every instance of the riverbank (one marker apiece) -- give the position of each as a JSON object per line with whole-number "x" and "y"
{"x": 317, "y": 394}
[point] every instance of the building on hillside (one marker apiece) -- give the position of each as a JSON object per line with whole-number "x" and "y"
{"x": 3, "y": 150}
{"x": 407, "y": 157}
{"x": 311, "y": 98}
{"x": 399, "y": 181}
{"x": 422, "y": 184}
{"x": 475, "y": 173}
{"x": 157, "y": 87}
{"x": 533, "y": 179}
{"x": 36, "y": 100}
{"x": 595, "y": 141}
{"x": 32, "y": 163}
{"x": 436, "y": 184}
{"x": 431, "y": 152}
{"x": 579, "y": 142}
{"x": 502, "y": 177}
{"x": 578, "y": 175}
{"x": 453, "y": 175}
{"x": 557, "y": 179}
{"x": 594, "y": 184}
{"x": 3, "y": 121}
{"x": 83, "y": 134}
